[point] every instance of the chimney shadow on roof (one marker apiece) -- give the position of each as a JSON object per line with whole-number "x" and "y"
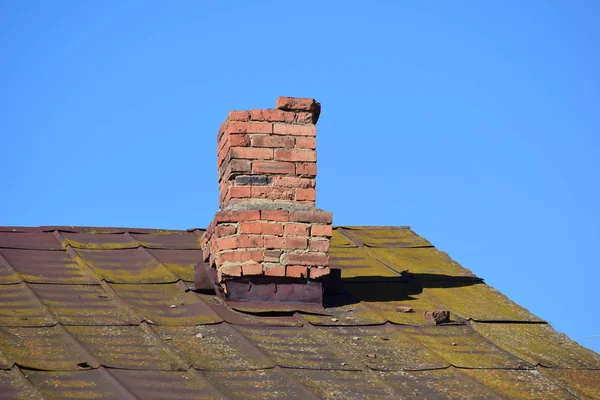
{"x": 383, "y": 289}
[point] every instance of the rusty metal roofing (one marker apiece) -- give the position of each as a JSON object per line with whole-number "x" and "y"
{"x": 112, "y": 313}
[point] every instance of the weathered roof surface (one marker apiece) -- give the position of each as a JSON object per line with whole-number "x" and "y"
{"x": 111, "y": 313}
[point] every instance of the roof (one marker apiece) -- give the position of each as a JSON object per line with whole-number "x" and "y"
{"x": 112, "y": 313}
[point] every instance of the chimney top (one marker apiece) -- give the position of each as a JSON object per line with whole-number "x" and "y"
{"x": 268, "y": 231}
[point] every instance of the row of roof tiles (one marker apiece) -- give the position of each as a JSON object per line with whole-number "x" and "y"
{"x": 290, "y": 383}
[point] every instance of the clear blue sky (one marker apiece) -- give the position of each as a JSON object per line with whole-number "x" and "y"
{"x": 476, "y": 123}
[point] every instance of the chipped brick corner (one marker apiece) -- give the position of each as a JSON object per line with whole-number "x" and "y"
{"x": 268, "y": 230}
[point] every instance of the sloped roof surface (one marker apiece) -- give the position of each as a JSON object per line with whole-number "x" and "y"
{"x": 112, "y": 314}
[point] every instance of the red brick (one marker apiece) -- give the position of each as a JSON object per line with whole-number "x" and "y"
{"x": 238, "y": 116}
{"x": 294, "y": 129}
{"x": 235, "y": 166}
{"x": 272, "y": 141}
{"x": 304, "y": 117}
{"x": 249, "y": 127}
{"x": 250, "y": 241}
{"x": 273, "y": 193}
{"x": 318, "y": 272}
{"x": 321, "y": 230}
{"x": 308, "y": 259}
{"x": 233, "y": 270}
{"x": 296, "y": 229}
{"x": 306, "y": 169}
{"x": 272, "y": 255}
{"x": 240, "y": 256}
{"x": 272, "y": 115}
{"x": 298, "y": 243}
{"x": 226, "y": 243}
{"x": 252, "y": 269}
{"x": 272, "y": 167}
{"x": 276, "y": 270}
{"x": 251, "y": 153}
{"x": 275, "y": 215}
{"x": 225, "y": 230}
{"x": 295, "y": 155}
{"x": 296, "y": 271}
{"x": 261, "y": 228}
{"x": 237, "y": 216}
{"x": 296, "y": 103}
{"x": 319, "y": 245}
{"x": 323, "y": 217}
{"x": 274, "y": 242}
{"x": 241, "y": 140}
{"x": 241, "y": 192}
{"x": 306, "y": 194}
{"x": 306, "y": 143}
{"x": 293, "y": 181}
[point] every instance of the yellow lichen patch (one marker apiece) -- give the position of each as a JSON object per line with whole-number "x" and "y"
{"x": 129, "y": 347}
{"x": 127, "y": 266}
{"x": 343, "y": 384}
{"x": 268, "y": 384}
{"x": 43, "y": 348}
{"x": 212, "y": 347}
{"x": 584, "y": 382}
{"x": 91, "y": 241}
{"x": 356, "y": 263}
{"x": 539, "y": 343}
{"x": 20, "y": 307}
{"x": 294, "y": 347}
{"x": 388, "y": 237}
{"x": 479, "y": 302}
{"x": 394, "y": 300}
{"x": 166, "y": 304}
{"x": 519, "y": 384}
{"x": 383, "y": 348}
{"x": 429, "y": 261}
{"x": 339, "y": 240}
{"x": 462, "y": 347}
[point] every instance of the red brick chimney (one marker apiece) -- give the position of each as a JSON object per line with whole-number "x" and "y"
{"x": 268, "y": 241}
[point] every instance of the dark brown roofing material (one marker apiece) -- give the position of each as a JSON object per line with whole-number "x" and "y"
{"x": 113, "y": 314}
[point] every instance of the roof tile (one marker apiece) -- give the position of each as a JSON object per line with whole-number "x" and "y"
{"x": 266, "y": 384}
{"x": 128, "y": 347}
{"x": 89, "y": 384}
{"x": 166, "y": 304}
{"x": 142, "y": 267}
{"x": 82, "y": 304}
{"x": 19, "y": 306}
{"x": 519, "y": 384}
{"x": 539, "y": 344}
{"x": 386, "y": 237}
{"x": 43, "y": 266}
{"x": 213, "y": 347}
{"x": 44, "y": 348}
{"x": 463, "y": 347}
